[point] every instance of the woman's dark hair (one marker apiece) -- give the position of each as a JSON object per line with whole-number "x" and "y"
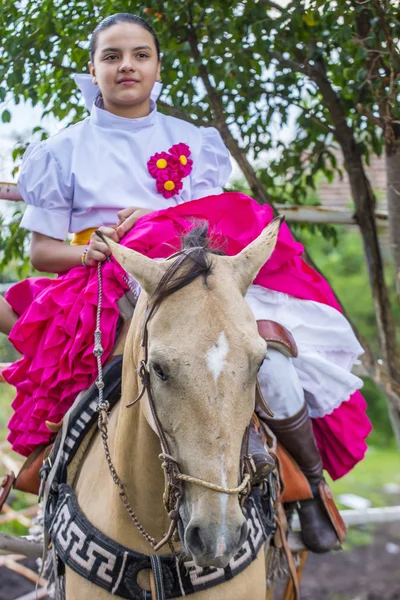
{"x": 121, "y": 18}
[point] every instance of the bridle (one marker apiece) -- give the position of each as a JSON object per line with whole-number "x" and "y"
{"x": 174, "y": 478}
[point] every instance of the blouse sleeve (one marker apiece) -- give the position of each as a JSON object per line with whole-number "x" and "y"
{"x": 213, "y": 167}
{"x": 41, "y": 186}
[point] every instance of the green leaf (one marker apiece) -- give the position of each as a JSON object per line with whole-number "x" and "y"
{"x": 6, "y": 116}
{"x": 309, "y": 19}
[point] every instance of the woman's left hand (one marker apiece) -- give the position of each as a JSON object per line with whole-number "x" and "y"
{"x": 128, "y": 217}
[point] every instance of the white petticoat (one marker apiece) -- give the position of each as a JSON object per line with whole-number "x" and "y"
{"x": 326, "y": 343}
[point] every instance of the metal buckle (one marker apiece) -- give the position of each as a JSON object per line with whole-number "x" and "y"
{"x": 43, "y": 474}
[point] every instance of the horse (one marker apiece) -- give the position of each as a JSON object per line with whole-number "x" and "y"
{"x": 201, "y": 354}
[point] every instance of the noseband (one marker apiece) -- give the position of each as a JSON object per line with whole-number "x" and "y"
{"x": 174, "y": 478}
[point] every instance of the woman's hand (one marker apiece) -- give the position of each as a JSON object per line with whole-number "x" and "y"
{"x": 98, "y": 250}
{"x": 128, "y": 217}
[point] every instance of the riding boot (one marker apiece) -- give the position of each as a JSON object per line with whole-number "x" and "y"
{"x": 296, "y": 435}
{"x": 263, "y": 461}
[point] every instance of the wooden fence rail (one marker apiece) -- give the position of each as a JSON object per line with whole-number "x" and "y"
{"x": 293, "y": 214}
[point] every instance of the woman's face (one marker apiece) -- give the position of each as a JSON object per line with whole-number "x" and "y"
{"x": 125, "y": 68}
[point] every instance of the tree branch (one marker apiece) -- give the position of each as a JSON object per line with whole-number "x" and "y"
{"x": 60, "y": 66}
{"x": 308, "y": 114}
{"x": 386, "y": 375}
{"x": 217, "y": 106}
{"x": 305, "y": 69}
{"x": 365, "y": 202}
{"x": 179, "y": 114}
{"x": 384, "y": 27}
{"x": 371, "y": 117}
{"x": 273, "y": 5}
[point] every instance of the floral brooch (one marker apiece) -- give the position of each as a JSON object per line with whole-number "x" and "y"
{"x": 169, "y": 168}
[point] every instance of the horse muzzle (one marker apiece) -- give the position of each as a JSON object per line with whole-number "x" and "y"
{"x": 211, "y": 545}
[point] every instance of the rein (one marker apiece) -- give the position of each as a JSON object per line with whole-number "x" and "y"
{"x": 173, "y": 476}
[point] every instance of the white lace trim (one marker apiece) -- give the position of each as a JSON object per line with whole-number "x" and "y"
{"x": 317, "y": 413}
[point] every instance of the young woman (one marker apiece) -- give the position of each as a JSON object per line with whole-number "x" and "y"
{"x": 125, "y": 165}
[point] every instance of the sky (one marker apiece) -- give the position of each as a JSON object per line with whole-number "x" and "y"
{"x": 24, "y": 118}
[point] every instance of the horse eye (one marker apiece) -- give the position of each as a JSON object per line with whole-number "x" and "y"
{"x": 158, "y": 371}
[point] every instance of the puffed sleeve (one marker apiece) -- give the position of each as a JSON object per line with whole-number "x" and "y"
{"x": 212, "y": 167}
{"x": 41, "y": 186}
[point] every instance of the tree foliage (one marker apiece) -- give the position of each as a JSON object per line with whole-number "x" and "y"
{"x": 244, "y": 66}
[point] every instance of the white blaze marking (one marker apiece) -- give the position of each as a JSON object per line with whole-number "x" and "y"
{"x": 221, "y": 545}
{"x": 221, "y": 548}
{"x": 216, "y": 356}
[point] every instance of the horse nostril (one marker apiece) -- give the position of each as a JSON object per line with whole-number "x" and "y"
{"x": 194, "y": 541}
{"x": 243, "y": 534}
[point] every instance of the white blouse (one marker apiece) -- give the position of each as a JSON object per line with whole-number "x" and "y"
{"x": 82, "y": 176}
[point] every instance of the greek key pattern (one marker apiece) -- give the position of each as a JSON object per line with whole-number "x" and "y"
{"x": 76, "y": 430}
{"x": 90, "y": 559}
{"x": 103, "y": 561}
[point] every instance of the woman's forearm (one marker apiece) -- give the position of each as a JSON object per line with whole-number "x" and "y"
{"x": 54, "y": 256}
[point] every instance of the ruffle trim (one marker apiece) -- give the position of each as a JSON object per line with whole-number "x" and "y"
{"x": 55, "y": 335}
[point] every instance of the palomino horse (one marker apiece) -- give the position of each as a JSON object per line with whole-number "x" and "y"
{"x": 203, "y": 354}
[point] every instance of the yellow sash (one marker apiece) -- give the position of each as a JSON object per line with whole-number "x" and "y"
{"x": 82, "y": 238}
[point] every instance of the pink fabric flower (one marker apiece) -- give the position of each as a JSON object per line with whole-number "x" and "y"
{"x": 168, "y": 184}
{"x": 169, "y": 168}
{"x": 181, "y": 153}
{"x": 160, "y": 162}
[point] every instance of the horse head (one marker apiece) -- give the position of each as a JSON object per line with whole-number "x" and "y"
{"x": 202, "y": 354}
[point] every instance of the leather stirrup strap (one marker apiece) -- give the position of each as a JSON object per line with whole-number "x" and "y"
{"x": 336, "y": 518}
{"x": 289, "y": 589}
{"x": 281, "y": 523}
{"x": 5, "y": 488}
{"x": 278, "y": 337}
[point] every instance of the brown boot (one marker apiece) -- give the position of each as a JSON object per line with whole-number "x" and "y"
{"x": 296, "y": 435}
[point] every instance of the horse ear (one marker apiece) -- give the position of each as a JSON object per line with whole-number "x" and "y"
{"x": 146, "y": 271}
{"x": 249, "y": 261}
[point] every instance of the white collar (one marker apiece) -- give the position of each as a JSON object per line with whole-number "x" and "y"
{"x": 104, "y": 118}
{"x": 90, "y": 91}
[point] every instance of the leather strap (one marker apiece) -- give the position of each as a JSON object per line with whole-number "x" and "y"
{"x": 278, "y": 337}
{"x": 336, "y": 519}
{"x": 281, "y": 523}
{"x": 156, "y": 578}
{"x": 261, "y": 402}
{"x": 5, "y": 488}
{"x": 295, "y": 486}
{"x": 28, "y": 478}
{"x": 289, "y": 590}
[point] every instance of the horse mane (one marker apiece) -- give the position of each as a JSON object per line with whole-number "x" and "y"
{"x": 193, "y": 261}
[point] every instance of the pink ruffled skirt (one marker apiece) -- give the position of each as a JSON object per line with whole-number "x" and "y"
{"x": 55, "y": 331}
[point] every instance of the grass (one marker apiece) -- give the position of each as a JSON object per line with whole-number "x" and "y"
{"x": 6, "y": 397}
{"x": 367, "y": 479}
{"x": 380, "y": 466}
